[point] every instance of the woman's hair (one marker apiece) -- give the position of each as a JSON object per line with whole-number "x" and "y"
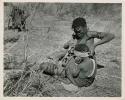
{"x": 81, "y": 48}
{"x": 79, "y": 22}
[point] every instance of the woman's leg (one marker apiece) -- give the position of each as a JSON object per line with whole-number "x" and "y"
{"x": 52, "y": 69}
{"x": 58, "y": 55}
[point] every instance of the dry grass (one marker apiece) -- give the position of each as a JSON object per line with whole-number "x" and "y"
{"x": 22, "y": 58}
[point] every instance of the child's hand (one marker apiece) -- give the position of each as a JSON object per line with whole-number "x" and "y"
{"x": 78, "y": 60}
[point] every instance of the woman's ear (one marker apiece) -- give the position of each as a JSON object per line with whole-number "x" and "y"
{"x": 74, "y": 35}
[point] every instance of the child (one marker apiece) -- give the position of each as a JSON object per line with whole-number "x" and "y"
{"x": 85, "y": 70}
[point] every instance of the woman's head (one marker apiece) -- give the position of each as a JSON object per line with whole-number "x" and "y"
{"x": 80, "y": 27}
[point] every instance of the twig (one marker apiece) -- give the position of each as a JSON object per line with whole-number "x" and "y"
{"x": 26, "y": 36}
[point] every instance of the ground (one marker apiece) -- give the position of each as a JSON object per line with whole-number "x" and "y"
{"x": 43, "y": 41}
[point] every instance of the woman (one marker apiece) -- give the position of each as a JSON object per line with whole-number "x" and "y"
{"x": 81, "y": 76}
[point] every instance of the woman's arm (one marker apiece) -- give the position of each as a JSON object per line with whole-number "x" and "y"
{"x": 69, "y": 43}
{"x": 104, "y": 38}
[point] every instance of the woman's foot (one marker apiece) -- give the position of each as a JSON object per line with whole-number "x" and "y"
{"x": 70, "y": 87}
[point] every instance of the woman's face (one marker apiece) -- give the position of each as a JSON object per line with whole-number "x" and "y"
{"x": 80, "y": 31}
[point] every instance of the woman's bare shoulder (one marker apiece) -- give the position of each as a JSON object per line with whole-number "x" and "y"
{"x": 91, "y": 33}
